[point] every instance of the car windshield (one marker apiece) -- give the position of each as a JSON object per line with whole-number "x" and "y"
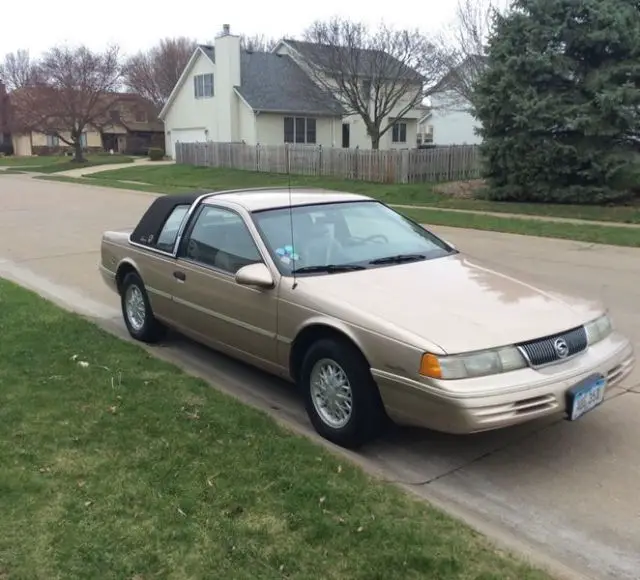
{"x": 338, "y": 237}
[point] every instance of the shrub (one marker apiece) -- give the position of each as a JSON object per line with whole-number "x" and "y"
{"x": 156, "y": 154}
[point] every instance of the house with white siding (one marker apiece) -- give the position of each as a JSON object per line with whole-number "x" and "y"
{"x": 451, "y": 115}
{"x": 229, "y": 94}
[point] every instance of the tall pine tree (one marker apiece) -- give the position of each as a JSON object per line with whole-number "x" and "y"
{"x": 559, "y": 102}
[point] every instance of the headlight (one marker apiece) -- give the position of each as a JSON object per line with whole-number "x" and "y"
{"x": 598, "y": 329}
{"x": 475, "y": 364}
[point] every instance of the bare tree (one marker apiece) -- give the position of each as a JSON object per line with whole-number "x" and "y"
{"x": 74, "y": 90}
{"x": 153, "y": 74}
{"x": 463, "y": 46}
{"x": 258, "y": 43}
{"x": 18, "y": 70}
{"x": 378, "y": 75}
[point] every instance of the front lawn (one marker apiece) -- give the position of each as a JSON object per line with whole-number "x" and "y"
{"x": 114, "y": 464}
{"x": 187, "y": 176}
{"x": 56, "y": 163}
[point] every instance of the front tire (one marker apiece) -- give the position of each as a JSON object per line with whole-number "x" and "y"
{"x": 341, "y": 397}
{"x": 136, "y": 311}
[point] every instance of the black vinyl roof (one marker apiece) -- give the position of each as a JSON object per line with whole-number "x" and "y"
{"x": 151, "y": 222}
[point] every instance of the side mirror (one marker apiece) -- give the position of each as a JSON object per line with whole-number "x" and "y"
{"x": 255, "y": 275}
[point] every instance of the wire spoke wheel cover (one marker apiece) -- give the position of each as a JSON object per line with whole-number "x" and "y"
{"x": 331, "y": 393}
{"x": 135, "y": 307}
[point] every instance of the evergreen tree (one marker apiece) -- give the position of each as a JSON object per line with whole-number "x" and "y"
{"x": 559, "y": 101}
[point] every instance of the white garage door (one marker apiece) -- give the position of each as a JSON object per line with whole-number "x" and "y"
{"x": 186, "y": 136}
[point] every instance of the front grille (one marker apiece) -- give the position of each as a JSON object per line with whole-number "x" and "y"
{"x": 544, "y": 351}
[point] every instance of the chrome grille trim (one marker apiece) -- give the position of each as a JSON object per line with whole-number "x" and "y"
{"x": 541, "y": 352}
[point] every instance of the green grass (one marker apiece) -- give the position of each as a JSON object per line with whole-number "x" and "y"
{"x": 409, "y": 194}
{"x": 13, "y": 161}
{"x": 117, "y": 465}
{"x": 56, "y": 163}
{"x": 596, "y": 234}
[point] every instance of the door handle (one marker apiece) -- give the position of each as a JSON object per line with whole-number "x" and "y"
{"x": 181, "y": 276}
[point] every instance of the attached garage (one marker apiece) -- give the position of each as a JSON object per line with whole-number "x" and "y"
{"x": 186, "y": 136}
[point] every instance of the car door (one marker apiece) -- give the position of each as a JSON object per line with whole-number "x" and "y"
{"x": 211, "y": 305}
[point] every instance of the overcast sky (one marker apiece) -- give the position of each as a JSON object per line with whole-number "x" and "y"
{"x": 135, "y": 24}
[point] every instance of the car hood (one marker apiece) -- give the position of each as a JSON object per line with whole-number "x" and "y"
{"x": 454, "y": 302}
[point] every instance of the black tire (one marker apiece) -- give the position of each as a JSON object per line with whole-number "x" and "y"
{"x": 367, "y": 419}
{"x": 151, "y": 330}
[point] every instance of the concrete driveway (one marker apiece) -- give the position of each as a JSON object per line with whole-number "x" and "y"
{"x": 566, "y": 492}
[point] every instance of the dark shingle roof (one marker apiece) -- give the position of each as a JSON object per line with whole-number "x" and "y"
{"x": 209, "y": 51}
{"x": 271, "y": 82}
{"x": 365, "y": 62}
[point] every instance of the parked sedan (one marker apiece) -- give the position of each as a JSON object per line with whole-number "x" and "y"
{"x": 371, "y": 315}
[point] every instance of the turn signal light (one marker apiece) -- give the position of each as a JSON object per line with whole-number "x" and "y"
{"x": 430, "y": 366}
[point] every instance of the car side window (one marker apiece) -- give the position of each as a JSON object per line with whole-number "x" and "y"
{"x": 169, "y": 232}
{"x": 220, "y": 238}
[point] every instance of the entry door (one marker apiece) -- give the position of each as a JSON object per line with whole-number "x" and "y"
{"x": 346, "y": 135}
{"x": 211, "y": 305}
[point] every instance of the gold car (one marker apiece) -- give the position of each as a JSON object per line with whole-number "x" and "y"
{"x": 370, "y": 314}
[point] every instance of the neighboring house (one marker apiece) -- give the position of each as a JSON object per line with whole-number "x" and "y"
{"x": 131, "y": 126}
{"x": 452, "y": 116}
{"x": 424, "y": 134}
{"x": 228, "y": 94}
{"x": 5, "y": 134}
{"x": 402, "y": 134}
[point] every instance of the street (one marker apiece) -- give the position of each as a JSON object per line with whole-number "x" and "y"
{"x": 554, "y": 488}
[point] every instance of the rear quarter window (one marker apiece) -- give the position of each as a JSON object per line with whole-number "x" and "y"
{"x": 169, "y": 232}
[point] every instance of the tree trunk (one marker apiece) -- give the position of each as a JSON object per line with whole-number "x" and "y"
{"x": 77, "y": 146}
{"x": 375, "y": 142}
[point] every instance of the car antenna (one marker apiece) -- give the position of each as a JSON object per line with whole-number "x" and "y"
{"x": 293, "y": 245}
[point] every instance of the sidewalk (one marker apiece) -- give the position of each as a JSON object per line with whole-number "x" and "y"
{"x": 82, "y": 171}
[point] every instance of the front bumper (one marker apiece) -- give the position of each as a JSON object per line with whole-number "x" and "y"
{"x": 482, "y": 404}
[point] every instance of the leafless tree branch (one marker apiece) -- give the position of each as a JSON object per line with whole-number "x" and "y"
{"x": 257, "y": 43}
{"x": 153, "y": 74}
{"x": 74, "y": 90}
{"x": 463, "y": 46}
{"x": 379, "y": 75}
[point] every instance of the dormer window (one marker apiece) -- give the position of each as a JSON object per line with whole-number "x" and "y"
{"x": 203, "y": 86}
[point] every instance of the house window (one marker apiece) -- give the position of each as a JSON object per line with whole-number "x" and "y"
{"x": 203, "y": 86}
{"x": 114, "y": 115}
{"x": 300, "y": 130}
{"x": 399, "y": 133}
{"x": 53, "y": 141}
{"x": 141, "y": 116}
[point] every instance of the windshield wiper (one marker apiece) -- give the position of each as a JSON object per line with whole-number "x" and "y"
{"x": 328, "y": 268}
{"x": 398, "y": 259}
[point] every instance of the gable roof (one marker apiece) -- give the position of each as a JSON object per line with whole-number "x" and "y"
{"x": 201, "y": 49}
{"x": 469, "y": 67}
{"x": 275, "y": 83}
{"x": 367, "y": 61}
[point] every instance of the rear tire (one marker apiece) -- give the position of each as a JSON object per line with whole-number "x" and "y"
{"x": 136, "y": 311}
{"x": 341, "y": 397}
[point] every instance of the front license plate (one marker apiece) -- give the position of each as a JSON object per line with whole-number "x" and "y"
{"x": 585, "y": 396}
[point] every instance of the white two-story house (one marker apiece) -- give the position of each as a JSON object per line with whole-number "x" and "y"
{"x": 229, "y": 94}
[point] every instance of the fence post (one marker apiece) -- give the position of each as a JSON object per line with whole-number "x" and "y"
{"x": 320, "y": 172}
{"x": 357, "y": 161}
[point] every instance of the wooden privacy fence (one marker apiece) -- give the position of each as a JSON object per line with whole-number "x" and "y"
{"x": 452, "y": 163}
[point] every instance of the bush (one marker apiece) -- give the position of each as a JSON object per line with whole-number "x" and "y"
{"x": 156, "y": 154}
